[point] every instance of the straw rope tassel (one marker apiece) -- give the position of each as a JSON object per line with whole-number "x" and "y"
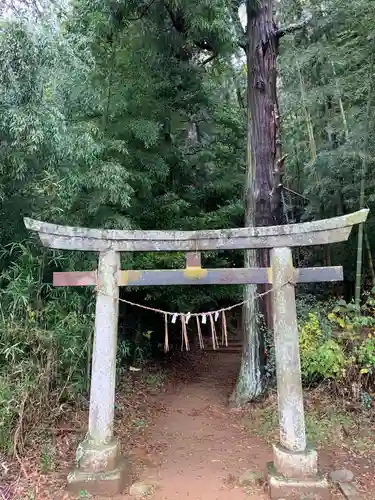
{"x": 224, "y": 329}
{"x": 187, "y": 345}
{"x": 213, "y": 333}
{"x": 166, "y": 337}
{"x": 182, "y": 332}
{"x": 216, "y": 339}
{"x": 200, "y": 338}
{"x": 184, "y": 338}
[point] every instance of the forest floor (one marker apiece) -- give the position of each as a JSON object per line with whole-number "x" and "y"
{"x": 186, "y": 442}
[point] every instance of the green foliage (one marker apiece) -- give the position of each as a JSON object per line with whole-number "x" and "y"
{"x": 366, "y": 355}
{"x": 155, "y": 380}
{"x": 324, "y": 116}
{"x": 134, "y": 352}
{"x": 47, "y": 458}
{"x": 366, "y": 401}
{"x": 84, "y": 494}
{"x": 348, "y": 319}
{"x": 320, "y": 357}
{"x": 108, "y": 123}
{"x": 322, "y": 423}
{"x": 44, "y": 340}
{"x": 329, "y": 361}
{"x": 343, "y": 352}
{"x": 358, "y": 331}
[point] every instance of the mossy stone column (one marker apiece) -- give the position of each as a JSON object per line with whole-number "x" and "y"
{"x": 294, "y": 472}
{"x": 100, "y": 469}
{"x": 103, "y": 379}
{"x": 288, "y": 366}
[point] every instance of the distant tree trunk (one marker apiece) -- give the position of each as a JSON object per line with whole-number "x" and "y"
{"x": 370, "y": 261}
{"x": 262, "y": 188}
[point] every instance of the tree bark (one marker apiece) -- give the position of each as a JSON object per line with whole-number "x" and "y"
{"x": 263, "y": 178}
{"x": 265, "y": 116}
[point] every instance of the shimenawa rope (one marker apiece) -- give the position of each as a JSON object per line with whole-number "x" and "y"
{"x": 184, "y": 317}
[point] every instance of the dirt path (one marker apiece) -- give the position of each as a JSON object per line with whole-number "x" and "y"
{"x": 184, "y": 438}
{"x": 202, "y": 449}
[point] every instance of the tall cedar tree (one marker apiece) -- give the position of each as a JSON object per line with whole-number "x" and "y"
{"x": 265, "y": 170}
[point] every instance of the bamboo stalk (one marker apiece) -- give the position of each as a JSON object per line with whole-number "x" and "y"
{"x": 341, "y": 106}
{"x": 309, "y": 126}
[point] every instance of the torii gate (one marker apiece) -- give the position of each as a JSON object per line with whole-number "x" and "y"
{"x": 100, "y": 469}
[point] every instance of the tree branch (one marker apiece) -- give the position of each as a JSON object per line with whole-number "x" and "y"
{"x": 209, "y": 59}
{"x": 143, "y": 12}
{"x": 194, "y": 152}
{"x": 178, "y": 21}
{"x": 295, "y": 193}
{"x": 280, "y": 32}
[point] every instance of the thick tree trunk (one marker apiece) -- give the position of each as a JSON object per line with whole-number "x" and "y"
{"x": 263, "y": 178}
{"x": 249, "y": 383}
{"x": 265, "y": 116}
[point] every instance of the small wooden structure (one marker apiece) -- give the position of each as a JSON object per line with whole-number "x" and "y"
{"x": 99, "y": 466}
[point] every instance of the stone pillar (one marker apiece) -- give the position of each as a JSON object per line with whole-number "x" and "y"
{"x": 294, "y": 472}
{"x": 103, "y": 378}
{"x": 100, "y": 469}
{"x": 288, "y": 367}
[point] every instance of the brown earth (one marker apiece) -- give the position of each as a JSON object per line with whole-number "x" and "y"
{"x": 183, "y": 438}
{"x": 204, "y": 447}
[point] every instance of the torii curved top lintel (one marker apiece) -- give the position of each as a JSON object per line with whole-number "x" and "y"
{"x": 319, "y": 232}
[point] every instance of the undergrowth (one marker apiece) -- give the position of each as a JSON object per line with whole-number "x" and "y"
{"x": 46, "y": 338}
{"x": 334, "y": 426}
{"x": 337, "y": 347}
{"x": 45, "y": 344}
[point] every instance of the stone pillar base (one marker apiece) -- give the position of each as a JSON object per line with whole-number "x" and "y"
{"x": 106, "y": 484}
{"x": 281, "y": 488}
{"x": 100, "y": 469}
{"x": 297, "y": 465}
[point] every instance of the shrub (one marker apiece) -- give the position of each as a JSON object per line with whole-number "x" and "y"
{"x": 346, "y": 351}
{"x": 357, "y": 328}
{"x": 320, "y": 357}
{"x": 365, "y": 354}
{"x": 45, "y": 345}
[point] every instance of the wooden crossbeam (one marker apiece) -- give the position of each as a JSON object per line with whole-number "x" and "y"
{"x": 77, "y": 278}
{"x": 197, "y": 276}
